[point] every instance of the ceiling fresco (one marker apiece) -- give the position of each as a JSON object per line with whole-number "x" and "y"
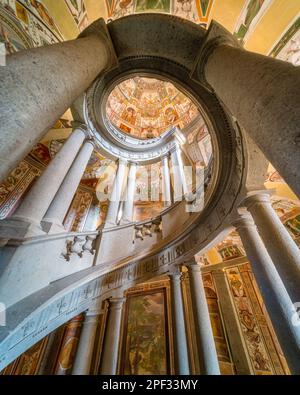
{"x": 31, "y": 23}
{"x": 147, "y": 107}
{"x": 197, "y": 11}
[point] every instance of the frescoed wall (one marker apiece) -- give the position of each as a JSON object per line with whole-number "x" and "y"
{"x": 252, "y": 12}
{"x": 219, "y": 332}
{"x": 26, "y": 24}
{"x": 29, "y": 362}
{"x": 263, "y": 348}
{"x": 146, "y": 332}
{"x": 288, "y": 47}
{"x": 197, "y": 11}
{"x": 79, "y": 13}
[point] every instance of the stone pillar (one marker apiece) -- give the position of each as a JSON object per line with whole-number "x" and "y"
{"x": 52, "y": 78}
{"x": 281, "y": 247}
{"x": 208, "y": 359}
{"x": 130, "y": 193}
{"x": 261, "y": 92}
{"x": 109, "y": 359}
{"x": 166, "y": 179}
{"x": 38, "y": 199}
{"x": 179, "y": 329}
{"x": 115, "y": 198}
{"x": 180, "y": 185}
{"x": 63, "y": 198}
{"x": 276, "y": 298}
{"x": 84, "y": 354}
{"x": 238, "y": 347}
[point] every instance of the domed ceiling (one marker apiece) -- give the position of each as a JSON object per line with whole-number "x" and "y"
{"x": 147, "y": 107}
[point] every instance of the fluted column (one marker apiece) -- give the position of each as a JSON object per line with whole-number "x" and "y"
{"x": 208, "y": 359}
{"x": 180, "y": 185}
{"x": 63, "y": 198}
{"x": 115, "y": 198}
{"x": 109, "y": 359}
{"x": 84, "y": 353}
{"x": 166, "y": 179}
{"x": 282, "y": 249}
{"x": 53, "y": 76}
{"x": 179, "y": 328}
{"x": 275, "y": 296}
{"x": 261, "y": 92}
{"x": 130, "y": 192}
{"x": 38, "y": 199}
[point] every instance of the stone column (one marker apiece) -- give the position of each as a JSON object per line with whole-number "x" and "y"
{"x": 179, "y": 329}
{"x": 115, "y": 198}
{"x": 130, "y": 193}
{"x": 84, "y": 353}
{"x": 38, "y": 199}
{"x": 180, "y": 185}
{"x": 63, "y": 198}
{"x": 166, "y": 179}
{"x": 238, "y": 347}
{"x": 261, "y": 92}
{"x": 276, "y": 298}
{"x": 52, "y": 78}
{"x": 109, "y": 359}
{"x": 208, "y": 359}
{"x": 282, "y": 249}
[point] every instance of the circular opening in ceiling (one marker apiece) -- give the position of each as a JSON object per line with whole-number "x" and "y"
{"x": 146, "y": 107}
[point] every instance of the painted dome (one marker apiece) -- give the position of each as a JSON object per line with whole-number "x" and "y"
{"x": 147, "y": 107}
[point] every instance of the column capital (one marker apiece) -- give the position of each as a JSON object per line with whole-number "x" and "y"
{"x": 116, "y": 303}
{"x": 80, "y": 126}
{"x": 193, "y": 265}
{"x": 245, "y": 220}
{"x": 132, "y": 164}
{"x": 91, "y": 317}
{"x": 176, "y": 147}
{"x": 257, "y": 197}
{"x": 99, "y": 28}
{"x": 216, "y": 35}
{"x": 175, "y": 273}
{"x": 123, "y": 161}
{"x": 165, "y": 156}
{"x": 91, "y": 141}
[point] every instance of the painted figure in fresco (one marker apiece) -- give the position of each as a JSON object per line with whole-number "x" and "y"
{"x": 170, "y": 115}
{"x": 8, "y": 45}
{"x": 252, "y": 10}
{"x": 294, "y": 225}
{"x": 130, "y": 115}
{"x": 145, "y": 349}
{"x": 293, "y": 52}
{"x": 43, "y": 13}
{"x": 236, "y": 284}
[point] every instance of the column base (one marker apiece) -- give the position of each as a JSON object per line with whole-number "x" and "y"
{"x": 125, "y": 221}
{"x": 108, "y": 224}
